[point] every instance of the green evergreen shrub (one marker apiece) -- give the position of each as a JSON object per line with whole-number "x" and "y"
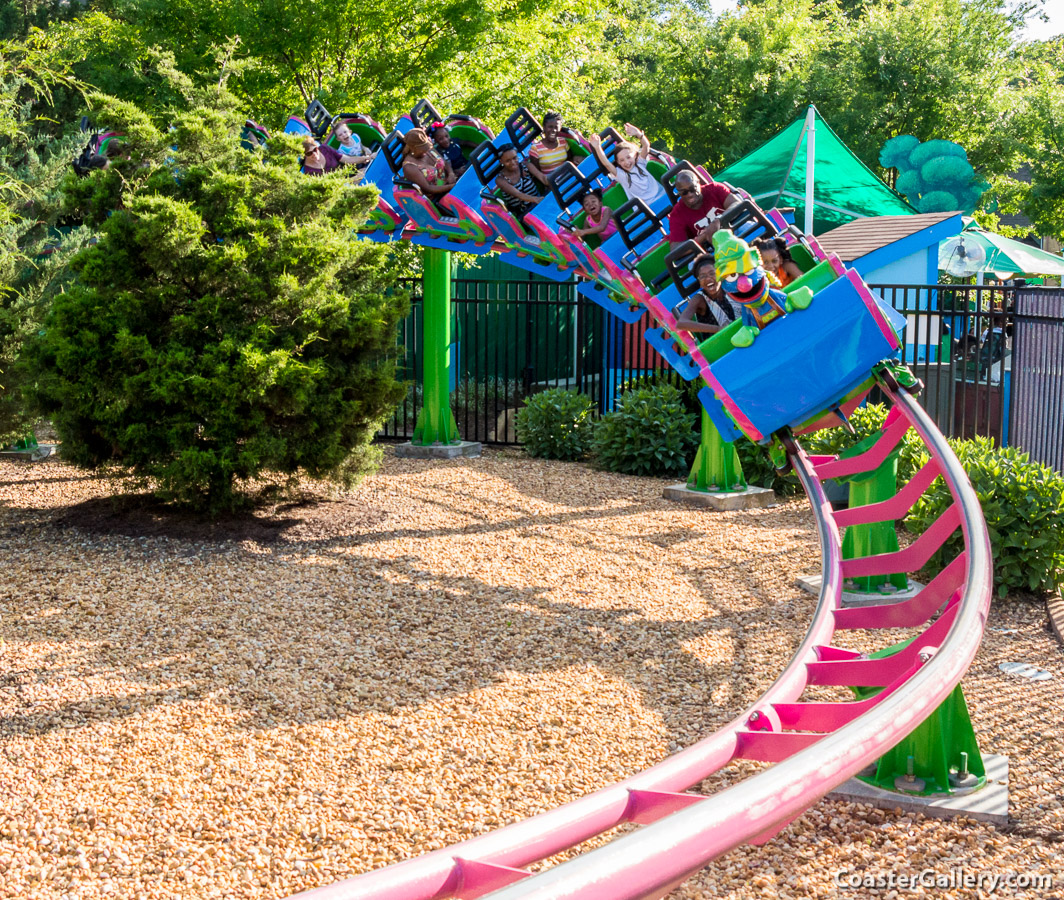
{"x": 755, "y": 461}
{"x": 556, "y": 424}
{"x": 226, "y": 325}
{"x": 35, "y": 155}
{"x": 1023, "y": 504}
{"x": 649, "y": 433}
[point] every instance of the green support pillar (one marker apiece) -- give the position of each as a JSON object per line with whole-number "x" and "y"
{"x": 716, "y": 468}
{"x": 876, "y": 537}
{"x": 940, "y": 757}
{"x": 435, "y": 422}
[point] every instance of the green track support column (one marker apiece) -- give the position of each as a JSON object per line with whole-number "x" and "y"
{"x": 717, "y": 468}
{"x": 940, "y": 757}
{"x": 877, "y": 537}
{"x": 435, "y": 423}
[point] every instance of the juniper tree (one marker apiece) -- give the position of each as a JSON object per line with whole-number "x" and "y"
{"x": 227, "y": 324}
{"x": 35, "y": 151}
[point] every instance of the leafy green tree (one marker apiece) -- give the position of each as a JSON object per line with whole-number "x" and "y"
{"x": 17, "y": 17}
{"x": 1042, "y": 139}
{"x": 713, "y": 90}
{"x": 928, "y": 68}
{"x": 116, "y": 56}
{"x": 227, "y": 325}
{"x": 954, "y": 70}
{"x": 484, "y": 57}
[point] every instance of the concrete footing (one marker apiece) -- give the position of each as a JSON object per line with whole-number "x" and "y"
{"x": 439, "y": 451}
{"x": 811, "y": 583}
{"x": 752, "y": 498}
{"x": 988, "y": 804}
{"x": 1055, "y": 608}
{"x": 41, "y": 451}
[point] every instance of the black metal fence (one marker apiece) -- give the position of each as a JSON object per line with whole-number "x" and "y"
{"x": 991, "y": 358}
{"x": 1037, "y": 423}
{"x": 958, "y": 341}
{"x": 511, "y": 339}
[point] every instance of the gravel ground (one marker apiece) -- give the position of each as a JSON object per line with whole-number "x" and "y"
{"x": 278, "y": 702}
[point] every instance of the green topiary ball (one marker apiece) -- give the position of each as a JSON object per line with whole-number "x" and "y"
{"x": 910, "y": 184}
{"x": 938, "y": 201}
{"x": 649, "y": 433}
{"x": 947, "y": 172}
{"x": 930, "y": 149}
{"x": 556, "y": 424}
{"x": 895, "y": 152}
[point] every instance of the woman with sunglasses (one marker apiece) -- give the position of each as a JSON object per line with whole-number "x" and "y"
{"x": 318, "y": 159}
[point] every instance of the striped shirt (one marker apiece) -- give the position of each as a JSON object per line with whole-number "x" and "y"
{"x": 526, "y": 185}
{"x": 548, "y": 159}
{"x": 722, "y": 311}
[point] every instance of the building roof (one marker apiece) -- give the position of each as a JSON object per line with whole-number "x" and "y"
{"x": 861, "y": 237}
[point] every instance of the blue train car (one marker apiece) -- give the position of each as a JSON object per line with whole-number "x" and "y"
{"x": 774, "y": 383}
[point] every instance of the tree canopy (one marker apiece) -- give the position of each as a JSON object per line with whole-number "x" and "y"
{"x": 711, "y": 87}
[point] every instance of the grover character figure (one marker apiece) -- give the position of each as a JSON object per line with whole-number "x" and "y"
{"x": 743, "y": 279}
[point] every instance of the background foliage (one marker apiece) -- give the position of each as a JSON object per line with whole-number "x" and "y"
{"x": 1023, "y": 504}
{"x": 712, "y": 87}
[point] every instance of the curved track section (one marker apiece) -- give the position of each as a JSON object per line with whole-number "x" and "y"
{"x": 814, "y": 745}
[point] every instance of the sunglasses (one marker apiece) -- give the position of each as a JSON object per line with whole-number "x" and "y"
{"x": 685, "y": 191}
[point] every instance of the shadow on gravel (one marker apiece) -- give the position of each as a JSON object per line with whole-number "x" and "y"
{"x": 144, "y": 516}
{"x": 299, "y": 648}
{"x": 296, "y": 630}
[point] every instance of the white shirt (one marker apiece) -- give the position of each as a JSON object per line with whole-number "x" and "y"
{"x": 640, "y": 183}
{"x": 352, "y": 147}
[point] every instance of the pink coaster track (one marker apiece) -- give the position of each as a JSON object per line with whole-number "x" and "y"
{"x": 815, "y": 745}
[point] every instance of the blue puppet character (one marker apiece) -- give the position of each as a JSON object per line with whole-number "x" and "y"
{"x": 743, "y": 279}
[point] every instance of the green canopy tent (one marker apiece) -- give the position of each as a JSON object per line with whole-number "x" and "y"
{"x": 1006, "y": 257}
{"x": 842, "y": 187}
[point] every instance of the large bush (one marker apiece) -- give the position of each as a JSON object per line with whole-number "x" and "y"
{"x": 649, "y": 433}
{"x": 556, "y": 424}
{"x": 226, "y": 324}
{"x": 1023, "y": 504}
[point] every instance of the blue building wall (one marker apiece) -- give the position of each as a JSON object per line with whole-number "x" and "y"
{"x": 922, "y": 333}
{"x": 912, "y": 261}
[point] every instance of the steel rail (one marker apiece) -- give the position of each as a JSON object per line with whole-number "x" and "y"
{"x": 651, "y": 862}
{"x": 685, "y": 831}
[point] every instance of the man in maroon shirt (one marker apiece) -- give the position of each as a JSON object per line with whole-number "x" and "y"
{"x": 695, "y": 215}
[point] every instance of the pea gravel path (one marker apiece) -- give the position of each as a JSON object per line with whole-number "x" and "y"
{"x": 265, "y": 705}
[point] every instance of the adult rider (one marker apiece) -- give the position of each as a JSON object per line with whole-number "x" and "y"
{"x": 696, "y": 215}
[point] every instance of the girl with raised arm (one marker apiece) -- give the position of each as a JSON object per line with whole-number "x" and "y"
{"x": 631, "y": 171}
